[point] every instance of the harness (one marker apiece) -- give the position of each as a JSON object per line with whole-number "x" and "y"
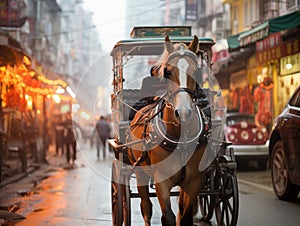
{"x": 154, "y": 127}
{"x": 151, "y": 120}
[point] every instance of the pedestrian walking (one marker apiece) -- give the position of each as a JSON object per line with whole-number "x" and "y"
{"x": 59, "y": 135}
{"x": 103, "y": 131}
{"x": 69, "y": 137}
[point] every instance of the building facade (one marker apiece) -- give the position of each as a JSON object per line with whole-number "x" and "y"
{"x": 263, "y": 67}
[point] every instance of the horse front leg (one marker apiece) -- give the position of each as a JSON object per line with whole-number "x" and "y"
{"x": 188, "y": 203}
{"x": 143, "y": 189}
{"x": 185, "y": 214}
{"x": 163, "y": 195}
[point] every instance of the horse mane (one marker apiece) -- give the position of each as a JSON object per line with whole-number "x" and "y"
{"x": 162, "y": 61}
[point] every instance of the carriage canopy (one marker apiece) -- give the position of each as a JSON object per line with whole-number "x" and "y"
{"x": 133, "y": 59}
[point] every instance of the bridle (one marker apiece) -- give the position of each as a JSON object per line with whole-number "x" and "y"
{"x": 187, "y": 140}
{"x": 182, "y": 53}
{"x": 152, "y": 115}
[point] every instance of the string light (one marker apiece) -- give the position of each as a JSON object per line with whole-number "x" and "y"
{"x": 18, "y": 80}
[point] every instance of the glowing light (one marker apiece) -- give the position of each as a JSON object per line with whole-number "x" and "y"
{"x": 75, "y": 107}
{"x": 26, "y": 60}
{"x": 260, "y": 79}
{"x": 70, "y": 91}
{"x": 60, "y": 90}
{"x": 85, "y": 115}
{"x": 56, "y": 98}
{"x": 288, "y": 66}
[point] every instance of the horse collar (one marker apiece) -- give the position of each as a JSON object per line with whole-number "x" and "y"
{"x": 185, "y": 142}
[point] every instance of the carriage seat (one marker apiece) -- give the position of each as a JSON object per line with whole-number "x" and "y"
{"x": 153, "y": 86}
{"x": 139, "y": 98}
{"x": 131, "y": 99}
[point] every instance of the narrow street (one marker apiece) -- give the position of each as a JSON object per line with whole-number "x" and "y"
{"x": 80, "y": 195}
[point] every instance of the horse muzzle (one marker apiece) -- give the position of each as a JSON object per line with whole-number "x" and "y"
{"x": 183, "y": 104}
{"x": 183, "y": 115}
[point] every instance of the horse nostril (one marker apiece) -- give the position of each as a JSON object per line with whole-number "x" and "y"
{"x": 176, "y": 112}
{"x": 183, "y": 115}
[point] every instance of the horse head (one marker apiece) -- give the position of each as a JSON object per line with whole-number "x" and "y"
{"x": 181, "y": 69}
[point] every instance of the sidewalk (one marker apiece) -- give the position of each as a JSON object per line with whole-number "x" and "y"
{"x": 21, "y": 184}
{"x": 15, "y": 175}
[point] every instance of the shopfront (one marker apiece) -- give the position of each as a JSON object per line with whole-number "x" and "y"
{"x": 289, "y": 78}
{"x": 273, "y": 73}
{"x": 280, "y": 59}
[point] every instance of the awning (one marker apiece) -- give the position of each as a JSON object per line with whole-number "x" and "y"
{"x": 284, "y": 22}
{"x": 281, "y": 23}
{"x": 11, "y": 52}
{"x": 257, "y": 33}
{"x": 233, "y": 41}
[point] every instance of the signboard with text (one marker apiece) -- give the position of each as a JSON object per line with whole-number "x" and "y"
{"x": 191, "y": 10}
{"x": 12, "y": 13}
{"x": 273, "y": 48}
{"x": 290, "y": 64}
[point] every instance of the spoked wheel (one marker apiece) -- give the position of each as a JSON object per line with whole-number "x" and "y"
{"x": 227, "y": 202}
{"x": 206, "y": 198}
{"x": 120, "y": 197}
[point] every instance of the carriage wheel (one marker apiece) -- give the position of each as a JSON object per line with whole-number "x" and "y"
{"x": 126, "y": 204}
{"x": 120, "y": 199}
{"x": 207, "y": 198}
{"x": 227, "y": 201}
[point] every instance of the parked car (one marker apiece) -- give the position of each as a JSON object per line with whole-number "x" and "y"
{"x": 284, "y": 150}
{"x": 249, "y": 141}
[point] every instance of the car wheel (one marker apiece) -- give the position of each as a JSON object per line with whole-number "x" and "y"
{"x": 282, "y": 186}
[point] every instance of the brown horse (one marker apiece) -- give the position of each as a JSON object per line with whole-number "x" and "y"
{"x": 173, "y": 131}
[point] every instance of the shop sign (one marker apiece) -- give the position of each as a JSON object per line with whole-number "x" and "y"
{"x": 273, "y": 48}
{"x": 12, "y": 13}
{"x": 269, "y": 48}
{"x": 253, "y": 35}
{"x": 290, "y": 64}
{"x": 191, "y": 10}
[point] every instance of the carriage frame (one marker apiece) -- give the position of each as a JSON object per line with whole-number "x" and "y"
{"x": 220, "y": 192}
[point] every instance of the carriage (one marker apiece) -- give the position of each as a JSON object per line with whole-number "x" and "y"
{"x": 168, "y": 112}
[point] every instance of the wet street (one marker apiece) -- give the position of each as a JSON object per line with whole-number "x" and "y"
{"x": 80, "y": 195}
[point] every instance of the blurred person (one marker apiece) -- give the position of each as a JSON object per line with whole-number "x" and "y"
{"x": 112, "y": 129}
{"x": 69, "y": 139}
{"x": 90, "y": 135}
{"x": 59, "y": 135}
{"x": 103, "y": 130}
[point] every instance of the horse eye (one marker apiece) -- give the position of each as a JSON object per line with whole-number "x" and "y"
{"x": 167, "y": 73}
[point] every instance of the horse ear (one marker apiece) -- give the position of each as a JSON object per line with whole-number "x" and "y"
{"x": 168, "y": 45}
{"x": 194, "y": 45}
